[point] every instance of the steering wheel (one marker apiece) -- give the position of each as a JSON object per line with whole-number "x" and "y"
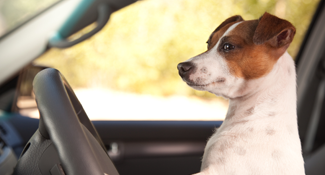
{"x": 64, "y": 122}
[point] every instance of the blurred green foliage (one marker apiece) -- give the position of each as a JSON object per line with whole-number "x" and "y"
{"x": 139, "y": 49}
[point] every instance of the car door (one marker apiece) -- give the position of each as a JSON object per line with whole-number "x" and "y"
{"x": 156, "y": 147}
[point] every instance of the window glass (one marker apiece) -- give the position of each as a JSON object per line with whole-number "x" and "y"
{"x": 128, "y": 70}
{"x": 15, "y": 12}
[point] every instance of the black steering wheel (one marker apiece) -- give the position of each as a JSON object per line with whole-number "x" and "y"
{"x": 65, "y": 131}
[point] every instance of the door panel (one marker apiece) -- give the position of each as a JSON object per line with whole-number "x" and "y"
{"x": 145, "y": 147}
{"x": 156, "y": 147}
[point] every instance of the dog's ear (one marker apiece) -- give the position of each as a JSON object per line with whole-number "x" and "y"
{"x": 276, "y": 32}
{"x": 235, "y": 18}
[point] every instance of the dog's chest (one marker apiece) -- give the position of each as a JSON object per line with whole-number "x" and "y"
{"x": 264, "y": 132}
{"x": 246, "y": 147}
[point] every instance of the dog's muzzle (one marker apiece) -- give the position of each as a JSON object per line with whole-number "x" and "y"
{"x": 185, "y": 69}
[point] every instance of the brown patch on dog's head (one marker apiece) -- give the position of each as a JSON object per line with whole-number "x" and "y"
{"x": 255, "y": 45}
{"x": 221, "y": 29}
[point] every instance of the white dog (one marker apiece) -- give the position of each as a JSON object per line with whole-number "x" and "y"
{"x": 247, "y": 63}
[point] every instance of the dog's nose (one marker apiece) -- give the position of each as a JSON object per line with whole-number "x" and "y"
{"x": 185, "y": 68}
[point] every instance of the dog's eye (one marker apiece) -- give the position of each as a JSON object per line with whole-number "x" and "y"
{"x": 227, "y": 47}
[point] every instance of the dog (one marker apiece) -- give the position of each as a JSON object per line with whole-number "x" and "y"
{"x": 247, "y": 63}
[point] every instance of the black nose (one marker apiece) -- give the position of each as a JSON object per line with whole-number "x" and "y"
{"x": 185, "y": 68}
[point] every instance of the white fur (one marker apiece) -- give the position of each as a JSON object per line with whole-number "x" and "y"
{"x": 260, "y": 134}
{"x": 216, "y": 68}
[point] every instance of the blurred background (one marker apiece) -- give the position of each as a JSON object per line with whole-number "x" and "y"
{"x": 128, "y": 70}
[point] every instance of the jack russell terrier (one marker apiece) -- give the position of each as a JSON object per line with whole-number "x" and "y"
{"x": 247, "y": 63}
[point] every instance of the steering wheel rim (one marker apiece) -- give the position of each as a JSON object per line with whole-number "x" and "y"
{"x": 64, "y": 121}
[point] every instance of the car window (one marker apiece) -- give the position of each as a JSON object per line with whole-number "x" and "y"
{"x": 128, "y": 70}
{"x": 15, "y": 12}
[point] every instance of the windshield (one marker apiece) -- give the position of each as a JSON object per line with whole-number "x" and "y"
{"x": 13, "y": 13}
{"x": 131, "y": 63}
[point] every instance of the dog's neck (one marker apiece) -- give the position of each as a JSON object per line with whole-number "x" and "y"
{"x": 270, "y": 96}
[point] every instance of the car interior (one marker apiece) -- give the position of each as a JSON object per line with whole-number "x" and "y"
{"x": 65, "y": 141}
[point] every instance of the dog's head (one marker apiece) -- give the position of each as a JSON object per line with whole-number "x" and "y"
{"x": 238, "y": 51}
